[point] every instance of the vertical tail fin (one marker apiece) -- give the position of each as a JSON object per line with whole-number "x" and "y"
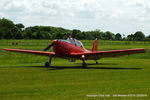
{"x": 95, "y": 47}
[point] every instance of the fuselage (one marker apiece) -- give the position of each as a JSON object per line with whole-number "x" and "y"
{"x": 65, "y": 48}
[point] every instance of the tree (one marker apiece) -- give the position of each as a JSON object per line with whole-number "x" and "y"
{"x": 9, "y": 30}
{"x": 20, "y": 26}
{"x": 79, "y": 36}
{"x": 130, "y": 37}
{"x": 67, "y": 34}
{"x": 6, "y": 27}
{"x": 148, "y": 38}
{"x": 95, "y": 33}
{"x": 89, "y": 36}
{"x": 139, "y": 36}
{"x": 6, "y": 23}
{"x": 28, "y": 33}
{"x": 8, "y": 34}
{"x": 109, "y": 35}
{"x": 17, "y": 33}
{"x": 46, "y": 35}
{"x": 74, "y": 33}
{"x": 118, "y": 36}
{"x": 39, "y": 35}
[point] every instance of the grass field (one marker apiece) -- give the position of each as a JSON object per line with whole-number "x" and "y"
{"x": 23, "y": 77}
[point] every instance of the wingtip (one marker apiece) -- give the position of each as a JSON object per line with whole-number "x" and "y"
{"x": 5, "y": 48}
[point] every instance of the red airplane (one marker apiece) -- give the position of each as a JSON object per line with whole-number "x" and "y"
{"x": 73, "y": 49}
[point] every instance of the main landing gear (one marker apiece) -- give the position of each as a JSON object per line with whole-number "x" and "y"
{"x": 47, "y": 64}
{"x": 84, "y": 65}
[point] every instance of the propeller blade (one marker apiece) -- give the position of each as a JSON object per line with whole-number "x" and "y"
{"x": 48, "y": 47}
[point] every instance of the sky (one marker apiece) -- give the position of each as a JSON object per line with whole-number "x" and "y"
{"x": 118, "y": 16}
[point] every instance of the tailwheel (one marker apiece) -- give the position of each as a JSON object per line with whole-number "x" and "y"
{"x": 84, "y": 65}
{"x": 46, "y": 64}
{"x": 96, "y": 62}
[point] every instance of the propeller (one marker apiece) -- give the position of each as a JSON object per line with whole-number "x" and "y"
{"x": 48, "y": 47}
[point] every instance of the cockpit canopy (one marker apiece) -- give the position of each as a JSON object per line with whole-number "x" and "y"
{"x": 73, "y": 41}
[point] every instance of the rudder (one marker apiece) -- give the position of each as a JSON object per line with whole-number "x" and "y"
{"x": 95, "y": 46}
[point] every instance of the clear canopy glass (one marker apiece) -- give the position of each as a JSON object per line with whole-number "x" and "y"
{"x": 73, "y": 41}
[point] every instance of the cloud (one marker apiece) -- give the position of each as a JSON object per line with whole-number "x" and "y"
{"x": 137, "y": 3}
{"x": 123, "y": 16}
{"x": 1, "y": 15}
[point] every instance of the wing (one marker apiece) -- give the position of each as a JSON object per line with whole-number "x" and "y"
{"x": 32, "y": 52}
{"x": 111, "y": 53}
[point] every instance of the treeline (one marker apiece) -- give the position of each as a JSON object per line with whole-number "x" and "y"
{"x": 9, "y": 30}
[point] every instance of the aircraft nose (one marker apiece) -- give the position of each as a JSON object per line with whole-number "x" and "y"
{"x": 55, "y": 45}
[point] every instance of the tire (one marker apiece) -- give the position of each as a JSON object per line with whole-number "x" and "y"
{"x": 84, "y": 65}
{"x": 96, "y": 63}
{"x": 46, "y": 64}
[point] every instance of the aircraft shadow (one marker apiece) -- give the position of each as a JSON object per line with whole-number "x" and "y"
{"x": 80, "y": 67}
{"x": 99, "y": 63}
{"x": 102, "y": 64}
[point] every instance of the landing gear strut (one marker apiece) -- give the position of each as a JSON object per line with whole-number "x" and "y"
{"x": 47, "y": 64}
{"x": 84, "y": 65}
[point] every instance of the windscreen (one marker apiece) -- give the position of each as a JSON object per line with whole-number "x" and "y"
{"x": 66, "y": 41}
{"x": 76, "y": 42}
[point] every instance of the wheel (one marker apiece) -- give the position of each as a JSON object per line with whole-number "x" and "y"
{"x": 84, "y": 65}
{"x": 96, "y": 62}
{"x": 46, "y": 64}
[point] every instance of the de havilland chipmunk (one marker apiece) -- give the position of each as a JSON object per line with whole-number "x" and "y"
{"x": 73, "y": 49}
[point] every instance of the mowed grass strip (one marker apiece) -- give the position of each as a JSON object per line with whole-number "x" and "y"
{"x": 23, "y": 76}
